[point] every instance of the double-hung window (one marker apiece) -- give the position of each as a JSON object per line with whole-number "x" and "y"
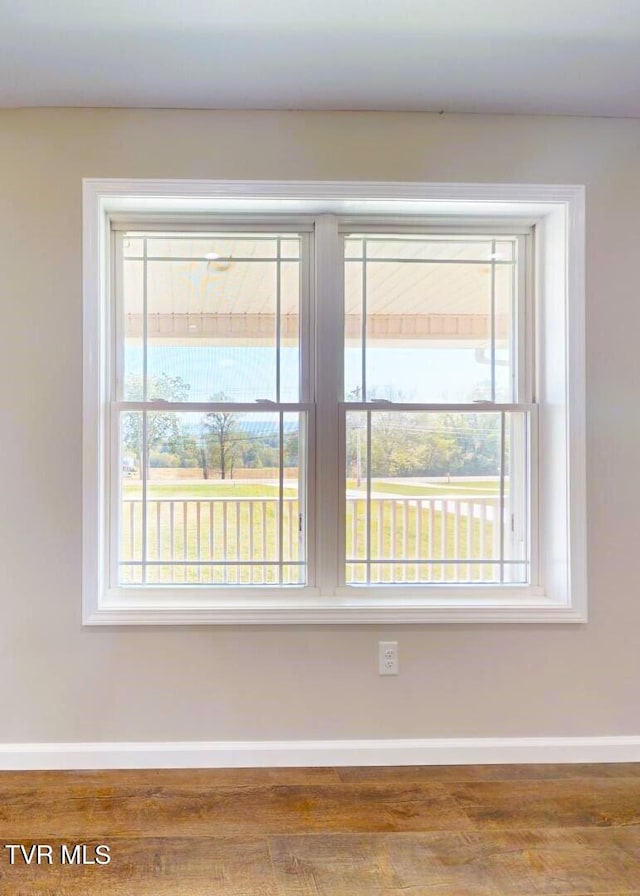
{"x": 325, "y": 408}
{"x": 211, "y": 417}
{"x": 438, "y": 407}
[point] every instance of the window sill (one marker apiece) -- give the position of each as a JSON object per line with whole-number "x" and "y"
{"x": 135, "y": 606}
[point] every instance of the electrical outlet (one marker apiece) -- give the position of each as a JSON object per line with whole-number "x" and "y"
{"x": 388, "y": 658}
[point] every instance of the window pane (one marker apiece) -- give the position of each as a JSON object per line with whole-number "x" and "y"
{"x": 133, "y": 310}
{"x": 130, "y": 510}
{"x": 220, "y": 315}
{"x": 221, "y": 249}
{"x": 353, "y": 335}
{"x": 220, "y": 503}
{"x": 439, "y": 318}
{"x": 293, "y": 497}
{"x": 132, "y": 247}
{"x": 505, "y": 322}
{"x": 289, "y": 331}
{"x": 357, "y": 504}
{"x": 413, "y": 247}
{"x": 441, "y": 498}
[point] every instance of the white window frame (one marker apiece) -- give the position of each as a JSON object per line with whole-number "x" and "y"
{"x": 557, "y": 215}
{"x": 302, "y": 229}
{"x": 522, "y": 400}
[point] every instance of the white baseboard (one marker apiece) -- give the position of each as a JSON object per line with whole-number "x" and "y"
{"x": 264, "y": 754}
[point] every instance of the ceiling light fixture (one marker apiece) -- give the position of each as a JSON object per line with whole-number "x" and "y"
{"x": 220, "y": 263}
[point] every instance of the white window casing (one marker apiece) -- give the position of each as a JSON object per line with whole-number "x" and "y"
{"x": 550, "y": 399}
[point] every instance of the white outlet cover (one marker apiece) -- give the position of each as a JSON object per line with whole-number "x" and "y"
{"x": 388, "y": 658}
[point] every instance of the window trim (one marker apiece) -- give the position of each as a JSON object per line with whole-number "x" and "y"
{"x": 557, "y": 212}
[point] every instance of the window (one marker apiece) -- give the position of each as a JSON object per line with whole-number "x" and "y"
{"x": 211, "y": 406}
{"x": 438, "y": 408}
{"x": 345, "y": 403}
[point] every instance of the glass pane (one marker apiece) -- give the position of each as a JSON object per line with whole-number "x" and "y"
{"x": 221, "y": 315}
{"x": 293, "y": 504}
{"x": 132, "y": 246}
{"x": 130, "y": 488}
{"x": 357, "y": 508}
{"x": 354, "y": 347}
{"x": 434, "y": 248}
{"x": 352, "y": 247}
{"x": 220, "y": 249}
{"x": 130, "y": 574}
{"x": 289, "y": 331}
{"x": 442, "y": 498}
{"x": 505, "y": 321}
{"x": 290, "y": 248}
{"x": 133, "y": 309}
{"x": 217, "y": 507}
{"x": 439, "y": 319}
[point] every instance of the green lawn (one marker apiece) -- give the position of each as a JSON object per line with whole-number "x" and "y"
{"x": 204, "y": 489}
{"x": 472, "y": 487}
{"x": 251, "y": 489}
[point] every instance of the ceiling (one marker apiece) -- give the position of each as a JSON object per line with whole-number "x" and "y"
{"x": 578, "y": 57}
{"x": 218, "y": 290}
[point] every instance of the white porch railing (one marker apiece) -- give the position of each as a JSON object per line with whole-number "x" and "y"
{"x": 447, "y": 539}
{"x": 431, "y": 539}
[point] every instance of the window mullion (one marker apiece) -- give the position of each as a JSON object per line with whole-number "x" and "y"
{"x": 329, "y": 302}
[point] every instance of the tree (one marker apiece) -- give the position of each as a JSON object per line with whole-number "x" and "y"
{"x": 438, "y": 455}
{"x": 404, "y": 444}
{"x": 163, "y": 427}
{"x": 291, "y": 449}
{"x": 221, "y": 435}
{"x": 477, "y": 441}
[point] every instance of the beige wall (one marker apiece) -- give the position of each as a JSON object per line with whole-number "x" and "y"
{"x": 63, "y": 682}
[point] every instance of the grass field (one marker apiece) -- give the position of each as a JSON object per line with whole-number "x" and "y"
{"x": 251, "y": 489}
{"x": 471, "y": 487}
{"x": 204, "y": 489}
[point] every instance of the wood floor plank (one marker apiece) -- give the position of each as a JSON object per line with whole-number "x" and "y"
{"x": 156, "y": 777}
{"x": 80, "y": 811}
{"x": 153, "y": 867}
{"x": 498, "y": 863}
{"x": 626, "y": 837}
{"x": 277, "y": 832}
{"x": 544, "y": 804}
{"x": 513, "y": 863}
{"x": 408, "y": 774}
{"x": 336, "y": 864}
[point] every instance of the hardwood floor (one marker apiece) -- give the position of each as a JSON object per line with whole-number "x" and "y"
{"x": 548, "y": 830}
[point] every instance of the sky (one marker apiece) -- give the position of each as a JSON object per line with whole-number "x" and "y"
{"x": 248, "y": 373}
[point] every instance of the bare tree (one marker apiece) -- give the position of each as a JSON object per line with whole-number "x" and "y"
{"x": 222, "y": 436}
{"x": 204, "y": 463}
